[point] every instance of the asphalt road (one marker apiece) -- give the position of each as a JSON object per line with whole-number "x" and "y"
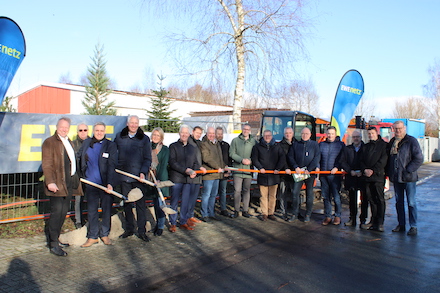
{"x": 315, "y": 258}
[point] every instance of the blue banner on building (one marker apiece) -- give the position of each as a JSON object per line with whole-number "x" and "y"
{"x": 23, "y": 134}
{"x": 12, "y": 52}
{"x": 348, "y": 95}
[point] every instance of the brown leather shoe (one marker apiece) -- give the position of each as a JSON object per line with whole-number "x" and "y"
{"x": 186, "y": 227}
{"x": 337, "y": 221}
{"x": 90, "y": 242}
{"x": 326, "y": 221}
{"x": 172, "y": 228}
{"x": 194, "y": 220}
{"x": 190, "y": 223}
{"x": 106, "y": 240}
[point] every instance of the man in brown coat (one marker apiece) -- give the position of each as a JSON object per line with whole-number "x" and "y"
{"x": 212, "y": 159}
{"x": 60, "y": 180}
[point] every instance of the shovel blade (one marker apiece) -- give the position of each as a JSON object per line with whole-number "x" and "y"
{"x": 168, "y": 210}
{"x": 134, "y": 195}
{"x": 166, "y": 183}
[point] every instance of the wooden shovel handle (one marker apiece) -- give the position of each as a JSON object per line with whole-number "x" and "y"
{"x": 135, "y": 177}
{"x": 102, "y": 187}
{"x": 158, "y": 188}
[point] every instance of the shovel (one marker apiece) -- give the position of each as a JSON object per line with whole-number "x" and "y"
{"x": 163, "y": 206}
{"x": 134, "y": 195}
{"x": 161, "y": 184}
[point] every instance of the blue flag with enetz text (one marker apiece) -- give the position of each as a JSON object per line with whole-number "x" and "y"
{"x": 12, "y": 52}
{"x": 348, "y": 95}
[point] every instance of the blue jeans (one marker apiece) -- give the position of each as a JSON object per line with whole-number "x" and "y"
{"x": 310, "y": 196}
{"x": 159, "y": 213}
{"x": 94, "y": 197}
{"x": 182, "y": 192}
{"x": 330, "y": 186}
{"x": 399, "y": 191}
{"x": 209, "y": 193}
{"x": 223, "y": 183}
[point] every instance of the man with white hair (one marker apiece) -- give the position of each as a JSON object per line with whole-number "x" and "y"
{"x": 183, "y": 163}
{"x": 134, "y": 156}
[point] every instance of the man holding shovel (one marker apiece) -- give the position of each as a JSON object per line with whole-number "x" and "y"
{"x": 134, "y": 157}
{"x": 98, "y": 158}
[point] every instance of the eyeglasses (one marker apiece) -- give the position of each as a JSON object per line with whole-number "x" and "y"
{"x": 81, "y": 130}
{"x": 355, "y": 136}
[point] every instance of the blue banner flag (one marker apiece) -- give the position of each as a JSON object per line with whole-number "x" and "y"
{"x": 348, "y": 95}
{"x": 12, "y": 52}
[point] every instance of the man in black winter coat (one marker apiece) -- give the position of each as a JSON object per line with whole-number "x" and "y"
{"x": 354, "y": 181}
{"x": 285, "y": 186}
{"x": 223, "y": 183}
{"x": 267, "y": 155}
{"x": 373, "y": 162}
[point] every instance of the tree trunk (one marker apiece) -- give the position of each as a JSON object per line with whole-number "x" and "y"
{"x": 240, "y": 51}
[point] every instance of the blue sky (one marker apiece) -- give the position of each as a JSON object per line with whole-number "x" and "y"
{"x": 391, "y": 43}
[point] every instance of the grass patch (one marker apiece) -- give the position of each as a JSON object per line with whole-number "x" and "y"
{"x": 30, "y": 228}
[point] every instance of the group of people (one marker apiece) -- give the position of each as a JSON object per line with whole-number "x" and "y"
{"x": 193, "y": 161}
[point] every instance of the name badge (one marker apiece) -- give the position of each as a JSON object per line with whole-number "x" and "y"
{"x": 105, "y": 155}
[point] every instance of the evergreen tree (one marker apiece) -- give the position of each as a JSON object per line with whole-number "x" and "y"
{"x": 6, "y": 105}
{"x": 160, "y": 114}
{"x": 97, "y": 89}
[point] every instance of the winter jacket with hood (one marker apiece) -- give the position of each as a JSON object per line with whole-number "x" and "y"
{"x": 134, "y": 153}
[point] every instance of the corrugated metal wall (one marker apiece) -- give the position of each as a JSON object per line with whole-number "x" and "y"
{"x": 44, "y": 99}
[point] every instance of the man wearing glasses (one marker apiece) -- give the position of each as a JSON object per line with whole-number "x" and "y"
{"x": 405, "y": 158}
{"x": 82, "y": 135}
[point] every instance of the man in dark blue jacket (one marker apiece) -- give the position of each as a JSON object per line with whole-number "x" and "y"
{"x": 405, "y": 158}
{"x": 331, "y": 152}
{"x": 303, "y": 156}
{"x": 98, "y": 157}
{"x": 134, "y": 157}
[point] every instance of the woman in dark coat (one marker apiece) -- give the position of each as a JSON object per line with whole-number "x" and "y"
{"x": 160, "y": 155}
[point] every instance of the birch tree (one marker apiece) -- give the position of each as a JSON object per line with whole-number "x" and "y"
{"x": 249, "y": 42}
{"x": 432, "y": 91}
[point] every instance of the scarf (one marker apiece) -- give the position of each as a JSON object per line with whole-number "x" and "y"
{"x": 155, "y": 149}
{"x": 395, "y": 147}
{"x": 95, "y": 140}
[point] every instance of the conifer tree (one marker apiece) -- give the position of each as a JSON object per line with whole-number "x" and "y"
{"x": 6, "y": 105}
{"x": 160, "y": 113}
{"x": 97, "y": 89}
